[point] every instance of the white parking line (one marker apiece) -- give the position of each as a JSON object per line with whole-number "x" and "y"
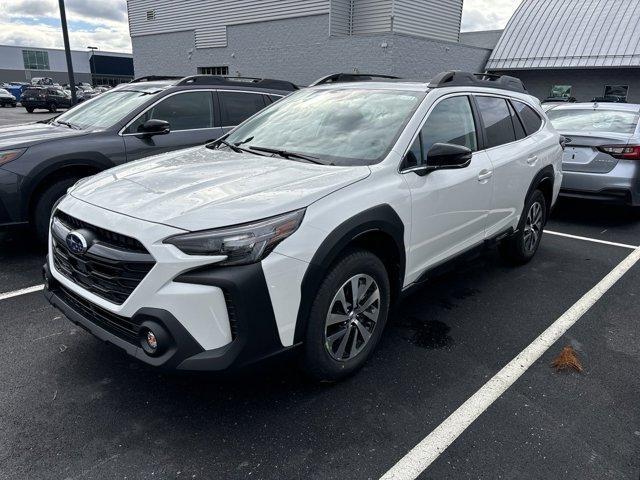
{"x": 593, "y": 240}
{"x": 429, "y": 449}
{"x": 22, "y": 291}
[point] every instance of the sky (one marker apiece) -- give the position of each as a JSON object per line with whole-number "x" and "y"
{"x": 103, "y": 23}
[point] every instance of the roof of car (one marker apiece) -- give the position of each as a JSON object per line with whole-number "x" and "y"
{"x": 629, "y": 107}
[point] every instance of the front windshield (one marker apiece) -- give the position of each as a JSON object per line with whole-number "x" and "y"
{"x": 581, "y": 120}
{"x": 105, "y": 110}
{"x": 350, "y": 126}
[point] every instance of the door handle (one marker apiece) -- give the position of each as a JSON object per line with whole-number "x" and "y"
{"x": 531, "y": 160}
{"x": 485, "y": 175}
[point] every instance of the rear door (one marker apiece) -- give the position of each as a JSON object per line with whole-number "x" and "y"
{"x": 237, "y": 106}
{"x": 191, "y": 117}
{"x": 513, "y": 154}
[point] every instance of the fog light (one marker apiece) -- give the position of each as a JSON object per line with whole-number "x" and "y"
{"x": 152, "y": 341}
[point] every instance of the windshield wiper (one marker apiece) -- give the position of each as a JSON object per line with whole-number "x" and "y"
{"x": 67, "y": 124}
{"x": 286, "y": 154}
{"x": 231, "y": 146}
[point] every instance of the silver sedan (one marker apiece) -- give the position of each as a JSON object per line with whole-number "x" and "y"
{"x": 602, "y": 156}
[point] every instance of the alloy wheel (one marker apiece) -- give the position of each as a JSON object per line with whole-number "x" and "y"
{"x": 533, "y": 227}
{"x": 352, "y": 317}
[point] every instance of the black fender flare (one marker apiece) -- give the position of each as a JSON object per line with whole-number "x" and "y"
{"x": 382, "y": 218}
{"x": 545, "y": 173}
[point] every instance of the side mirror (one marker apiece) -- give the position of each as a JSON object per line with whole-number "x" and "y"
{"x": 447, "y": 156}
{"x": 154, "y": 127}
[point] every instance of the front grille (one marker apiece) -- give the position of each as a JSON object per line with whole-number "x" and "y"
{"x": 106, "y": 236}
{"x": 119, "y": 326}
{"x": 111, "y": 268}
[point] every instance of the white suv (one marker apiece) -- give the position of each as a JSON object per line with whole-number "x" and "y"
{"x": 303, "y": 225}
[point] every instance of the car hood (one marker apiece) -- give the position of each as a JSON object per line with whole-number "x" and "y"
{"x": 199, "y": 188}
{"x": 21, "y": 136}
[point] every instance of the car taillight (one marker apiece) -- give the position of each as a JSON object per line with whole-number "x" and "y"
{"x": 625, "y": 152}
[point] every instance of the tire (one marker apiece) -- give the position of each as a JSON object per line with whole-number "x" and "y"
{"x": 44, "y": 206}
{"x": 522, "y": 247}
{"x": 53, "y": 108}
{"x": 329, "y": 360}
{"x": 29, "y": 109}
{"x": 13, "y": 105}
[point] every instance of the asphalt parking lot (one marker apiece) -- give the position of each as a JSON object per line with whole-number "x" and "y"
{"x": 73, "y": 407}
{"x": 18, "y": 115}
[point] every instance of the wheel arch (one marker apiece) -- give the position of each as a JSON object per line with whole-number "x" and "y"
{"x": 379, "y": 230}
{"x": 543, "y": 181}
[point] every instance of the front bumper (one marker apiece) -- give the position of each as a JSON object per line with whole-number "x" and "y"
{"x": 214, "y": 317}
{"x": 9, "y": 199}
{"x": 620, "y": 185}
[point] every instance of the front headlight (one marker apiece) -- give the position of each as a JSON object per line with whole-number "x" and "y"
{"x": 7, "y": 156}
{"x": 242, "y": 244}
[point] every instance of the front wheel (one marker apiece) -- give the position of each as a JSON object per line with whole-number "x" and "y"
{"x": 522, "y": 247}
{"x": 29, "y": 109}
{"x": 44, "y": 206}
{"x": 347, "y": 317}
{"x": 53, "y": 108}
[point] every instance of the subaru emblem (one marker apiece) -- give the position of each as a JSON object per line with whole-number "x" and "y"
{"x": 76, "y": 242}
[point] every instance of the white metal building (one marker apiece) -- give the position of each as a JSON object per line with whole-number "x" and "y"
{"x": 300, "y": 40}
{"x": 578, "y": 48}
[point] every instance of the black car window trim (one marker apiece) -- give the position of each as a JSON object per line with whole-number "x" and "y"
{"x": 266, "y": 102}
{"x": 480, "y": 140}
{"x": 542, "y": 119}
{"x": 148, "y": 108}
{"x": 509, "y": 99}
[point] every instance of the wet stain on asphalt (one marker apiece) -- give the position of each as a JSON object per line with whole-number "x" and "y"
{"x": 429, "y": 334}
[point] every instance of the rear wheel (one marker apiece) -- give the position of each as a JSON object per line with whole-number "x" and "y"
{"x": 347, "y": 317}
{"x": 29, "y": 109}
{"x": 53, "y": 108}
{"x": 522, "y": 247}
{"x": 44, "y": 206}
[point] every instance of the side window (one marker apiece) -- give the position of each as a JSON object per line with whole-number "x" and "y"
{"x": 236, "y": 107}
{"x": 532, "y": 121}
{"x": 184, "y": 111}
{"x": 497, "y": 120}
{"x": 517, "y": 124}
{"x": 451, "y": 121}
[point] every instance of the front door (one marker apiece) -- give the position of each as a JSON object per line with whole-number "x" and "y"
{"x": 449, "y": 207}
{"x": 190, "y": 116}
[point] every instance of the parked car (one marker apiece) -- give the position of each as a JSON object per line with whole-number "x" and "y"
{"x": 42, "y": 81}
{"x": 6, "y": 98}
{"x": 602, "y": 157}
{"x": 39, "y": 161}
{"x": 48, "y": 98}
{"x": 303, "y": 225}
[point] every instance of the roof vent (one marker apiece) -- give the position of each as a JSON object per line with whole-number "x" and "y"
{"x": 151, "y": 15}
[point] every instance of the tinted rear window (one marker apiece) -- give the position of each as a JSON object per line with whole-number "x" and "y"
{"x": 497, "y": 121}
{"x": 532, "y": 121}
{"x": 236, "y": 107}
{"x": 578, "y": 120}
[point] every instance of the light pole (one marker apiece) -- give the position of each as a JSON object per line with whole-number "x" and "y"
{"x": 91, "y": 65}
{"x": 67, "y": 51}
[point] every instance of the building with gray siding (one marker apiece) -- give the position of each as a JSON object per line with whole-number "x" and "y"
{"x": 21, "y": 64}
{"x": 299, "y": 40}
{"x": 577, "y": 48}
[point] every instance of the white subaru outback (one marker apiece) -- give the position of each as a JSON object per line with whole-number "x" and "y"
{"x": 303, "y": 225}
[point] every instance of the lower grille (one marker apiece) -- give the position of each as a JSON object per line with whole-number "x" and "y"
{"x": 108, "y": 268}
{"x": 115, "y": 324}
{"x": 231, "y": 313}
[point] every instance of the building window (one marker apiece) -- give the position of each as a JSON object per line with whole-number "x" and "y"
{"x": 620, "y": 91}
{"x": 35, "y": 60}
{"x": 561, "y": 91}
{"x": 221, "y": 71}
{"x": 151, "y": 15}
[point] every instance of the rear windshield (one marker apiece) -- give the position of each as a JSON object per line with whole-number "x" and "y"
{"x": 577, "y": 120}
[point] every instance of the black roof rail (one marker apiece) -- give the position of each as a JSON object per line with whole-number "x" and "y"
{"x": 457, "y": 78}
{"x": 351, "y": 77}
{"x": 154, "y": 78}
{"x": 267, "y": 83}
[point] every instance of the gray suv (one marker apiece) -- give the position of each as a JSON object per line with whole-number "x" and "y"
{"x": 151, "y": 115}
